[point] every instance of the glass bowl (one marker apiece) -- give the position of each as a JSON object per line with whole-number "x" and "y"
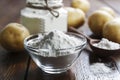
{"x": 50, "y": 64}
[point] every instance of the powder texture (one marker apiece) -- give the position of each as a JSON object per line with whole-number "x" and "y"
{"x": 100, "y": 68}
{"x": 59, "y": 40}
{"x": 106, "y": 44}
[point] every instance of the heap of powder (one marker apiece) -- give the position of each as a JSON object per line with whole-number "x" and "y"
{"x": 100, "y": 68}
{"x": 106, "y": 44}
{"x": 58, "y": 40}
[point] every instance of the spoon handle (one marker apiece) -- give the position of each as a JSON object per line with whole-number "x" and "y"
{"x": 1, "y": 28}
{"x": 76, "y": 31}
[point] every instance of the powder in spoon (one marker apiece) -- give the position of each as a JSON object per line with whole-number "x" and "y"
{"x": 106, "y": 44}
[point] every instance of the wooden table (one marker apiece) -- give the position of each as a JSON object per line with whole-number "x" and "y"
{"x": 14, "y": 66}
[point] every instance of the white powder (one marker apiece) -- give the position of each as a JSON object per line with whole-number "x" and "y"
{"x": 106, "y": 44}
{"x": 40, "y": 21}
{"x": 58, "y": 40}
{"x": 100, "y": 68}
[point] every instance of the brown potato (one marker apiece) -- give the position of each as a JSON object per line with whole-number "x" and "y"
{"x": 12, "y": 37}
{"x": 111, "y": 30}
{"x": 76, "y": 17}
{"x": 81, "y": 4}
{"x": 97, "y": 20}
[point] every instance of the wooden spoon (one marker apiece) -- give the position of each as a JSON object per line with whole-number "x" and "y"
{"x": 98, "y": 51}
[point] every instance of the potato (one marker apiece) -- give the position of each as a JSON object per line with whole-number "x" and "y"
{"x": 12, "y": 37}
{"x": 81, "y": 4}
{"x": 109, "y": 10}
{"x": 97, "y": 20}
{"x": 76, "y": 17}
{"x": 111, "y": 30}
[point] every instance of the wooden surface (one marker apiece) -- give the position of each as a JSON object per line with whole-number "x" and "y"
{"x": 13, "y": 65}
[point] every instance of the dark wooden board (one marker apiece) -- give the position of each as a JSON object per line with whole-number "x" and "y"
{"x": 12, "y": 65}
{"x": 10, "y": 11}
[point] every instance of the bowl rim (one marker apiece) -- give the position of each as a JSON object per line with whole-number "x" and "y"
{"x": 33, "y": 36}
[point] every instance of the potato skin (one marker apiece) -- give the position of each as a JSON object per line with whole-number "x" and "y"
{"x": 76, "y": 17}
{"x": 97, "y": 20}
{"x": 12, "y": 37}
{"x": 84, "y": 5}
{"x": 111, "y": 30}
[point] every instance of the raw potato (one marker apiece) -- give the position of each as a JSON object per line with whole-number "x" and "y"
{"x": 81, "y": 4}
{"x": 76, "y": 17}
{"x": 111, "y": 30}
{"x": 109, "y": 10}
{"x": 12, "y": 37}
{"x": 97, "y": 20}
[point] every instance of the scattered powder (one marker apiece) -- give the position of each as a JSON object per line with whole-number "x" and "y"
{"x": 58, "y": 40}
{"x": 106, "y": 44}
{"x": 100, "y": 68}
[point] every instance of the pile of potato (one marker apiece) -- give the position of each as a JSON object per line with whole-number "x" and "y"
{"x": 103, "y": 22}
{"x": 76, "y": 13}
{"x": 97, "y": 20}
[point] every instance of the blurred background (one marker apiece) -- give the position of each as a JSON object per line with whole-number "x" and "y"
{"x": 10, "y": 10}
